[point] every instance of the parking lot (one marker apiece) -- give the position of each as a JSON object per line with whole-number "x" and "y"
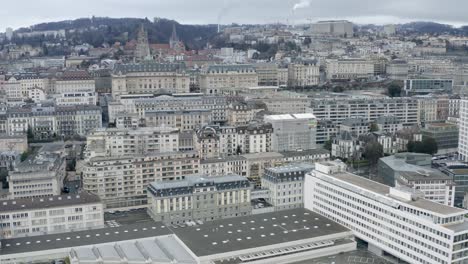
{"x": 119, "y": 218}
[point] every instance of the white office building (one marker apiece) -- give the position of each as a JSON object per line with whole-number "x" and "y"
{"x": 54, "y": 214}
{"x": 391, "y": 220}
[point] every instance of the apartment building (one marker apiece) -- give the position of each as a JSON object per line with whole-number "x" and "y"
{"x": 221, "y": 79}
{"x": 50, "y": 121}
{"x": 18, "y": 86}
{"x": 286, "y": 185}
{"x": 47, "y": 215}
{"x": 122, "y": 181}
{"x": 199, "y": 198}
{"x": 140, "y": 104}
{"x": 292, "y": 131}
{"x": 337, "y": 110}
{"x": 149, "y": 77}
{"x": 76, "y": 98}
{"x": 267, "y": 74}
{"x": 349, "y": 69}
{"x": 216, "y": 141}
{"x": 391, "y": 220}
{"x": 355, "y": 126}
{"x": 388, "y": 124}
{"x": 112, "y": 142}
{"x": 185, "y": 120}
{"x": 242, "y": 113}
{"x": 222, "y": 166}
{"x": 38, "y": 176}
{"x": 303, "y": 74}
{"x": 73, "y": 82}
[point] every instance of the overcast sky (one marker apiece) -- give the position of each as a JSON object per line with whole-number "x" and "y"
{"x": 20, "y": 13}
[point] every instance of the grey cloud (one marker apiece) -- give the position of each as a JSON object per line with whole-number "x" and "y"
{"x": 240, "y": 11}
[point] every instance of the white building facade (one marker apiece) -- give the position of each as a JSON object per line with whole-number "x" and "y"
{"x": 391, "y": 220}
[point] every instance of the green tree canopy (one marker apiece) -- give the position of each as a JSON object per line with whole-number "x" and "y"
{"x": 428, "y": 145}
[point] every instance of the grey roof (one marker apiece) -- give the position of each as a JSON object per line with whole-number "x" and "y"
{"x": 387, "y": 120}
{"x": 148, "y": 67}
{"x": 224, "y": 159}
{"x": 287, "y": 173}
{"x": 230, "y": 67}
{"x": 382, "y": 189}
{"x": 316, "y": 151}
{"x": 358, "y": 121}
{"x": 27, "y": 204}
{"x": 83, "y": 238}
{"x": 186, "y": 186}
{"x": 240, "y": 233}
{"x": 411, "y": 172}
{"x": 345, "y": 135}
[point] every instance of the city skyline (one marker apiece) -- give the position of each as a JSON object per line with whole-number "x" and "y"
{"x": 228, "y": 11}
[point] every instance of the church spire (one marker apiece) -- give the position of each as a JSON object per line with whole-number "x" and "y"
{"x": 174, "y": 33}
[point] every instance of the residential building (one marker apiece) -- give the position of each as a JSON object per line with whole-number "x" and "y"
{"x": 76, "y": 98}
{"x": 267, "y": 74}
{"x": 388, "y": 124}
{"x": 303, "y": 74}
{"x": 221, "y": 79}
{"x": 198, "y": 198}
{"x": 149, "y": 77}
{"x": 215, "y": 141}
{"x": 112, "y": 142}
{"x": 241, "y": 113}
{"x": 395, "y": 221}
{"x": 180, "y": 119}
{"x": 397, "y": 70}
{"x": 326, "y": 130}
{"x": 286, "y": 185}
{"x": 54, "y": 214}
{"x": 349, "y": 69}
{"x": 140, "y": 104}
{"x": 73, "y": 82}
{"x": 346, "y": 146}
{"x": 283, "y": 76}
{"x": 355, "y": 126}
{"x": 50, "y": 121}
{"x": 292, "y": 131}
{"x": 337, "y": 110}
{"x": 122, "y": 181}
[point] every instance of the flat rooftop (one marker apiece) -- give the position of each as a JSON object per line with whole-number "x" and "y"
{"x": 48, "y": 202}
{"x": 83, "y": 238}
{"x": 255, "y": 231}
{"x": 382, "y": 189}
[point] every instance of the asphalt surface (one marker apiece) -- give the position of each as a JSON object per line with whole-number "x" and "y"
{"x": 127, "y": 218}
{"x": 359, "y": 256}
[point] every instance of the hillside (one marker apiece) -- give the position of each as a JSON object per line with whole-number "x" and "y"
{"x": 99, "y": 30}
